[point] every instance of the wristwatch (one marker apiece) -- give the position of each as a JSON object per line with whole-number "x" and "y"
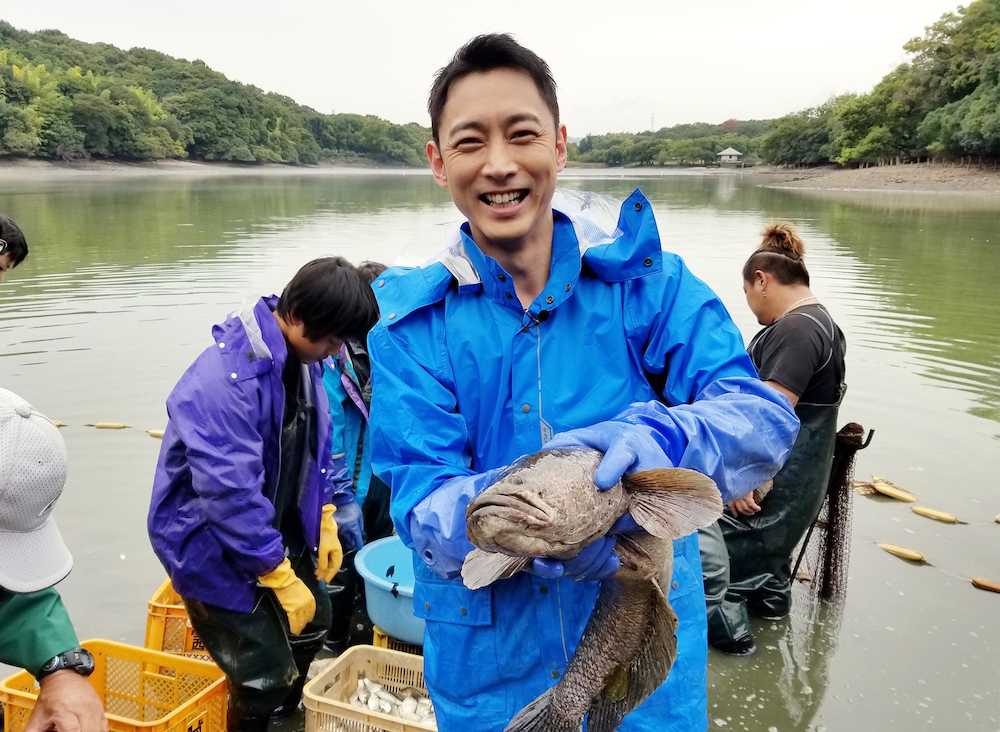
{"x": 78, "y": 659}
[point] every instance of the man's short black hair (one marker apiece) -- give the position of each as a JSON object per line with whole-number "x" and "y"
{"x": 484, "y": 53}
{"x": 330, "y": 298}
{"x": 13, "y": 240}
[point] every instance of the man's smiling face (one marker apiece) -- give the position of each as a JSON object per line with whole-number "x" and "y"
{"x": 499, "y": 154}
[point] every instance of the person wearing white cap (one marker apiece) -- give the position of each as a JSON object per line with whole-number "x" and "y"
{"x": 35, "y": 630}
{"x": 13, "y": 245}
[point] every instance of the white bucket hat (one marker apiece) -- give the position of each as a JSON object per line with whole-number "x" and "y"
{"x": 33, "y": 555}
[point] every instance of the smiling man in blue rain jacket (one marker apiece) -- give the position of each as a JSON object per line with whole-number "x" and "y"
{"x": 547, "y": 317}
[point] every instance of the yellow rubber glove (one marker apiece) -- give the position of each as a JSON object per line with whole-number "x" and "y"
{"x": 331, "y": 555}
{"x": 293, "y": 595}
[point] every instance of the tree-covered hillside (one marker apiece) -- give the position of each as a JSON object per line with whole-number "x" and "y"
{"x": 943, "y": 104}
{"x": 687, "y": 144}
{"x": 64, "y": 99}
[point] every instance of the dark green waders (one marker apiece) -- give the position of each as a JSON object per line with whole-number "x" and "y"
{"x": 266, "y": 666}
{"x": 746, "y": 560}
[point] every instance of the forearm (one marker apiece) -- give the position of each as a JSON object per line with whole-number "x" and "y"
{"x": 738, "y": 432}
{"x": 251, "y": 542}
{"x": 338, "y": 488}
{"x": 437, "y": 523}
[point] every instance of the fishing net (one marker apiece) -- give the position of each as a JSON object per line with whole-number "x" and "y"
{"x": 829, "y": 552}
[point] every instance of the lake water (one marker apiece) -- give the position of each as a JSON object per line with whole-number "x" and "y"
{"x": 126, "y": 277}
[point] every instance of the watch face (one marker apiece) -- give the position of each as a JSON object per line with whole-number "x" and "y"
{"x": 86, "y": 663}
{"x": 79, "y": 660}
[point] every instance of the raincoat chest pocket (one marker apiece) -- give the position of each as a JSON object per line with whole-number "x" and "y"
{"x": 443, "y": 601}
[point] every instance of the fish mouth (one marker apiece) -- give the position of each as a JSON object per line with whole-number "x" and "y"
{"x": 512, "y": 507}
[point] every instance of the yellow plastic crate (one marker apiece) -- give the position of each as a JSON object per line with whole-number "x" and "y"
{"x": 327, "y": 697}
{"x": 381, "y": 639}
{"x": 141, "y": 689}
{"x": 168, "y": 627}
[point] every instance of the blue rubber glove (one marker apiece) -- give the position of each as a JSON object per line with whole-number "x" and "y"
{"x": 437, "y": 523}
{"x": 597, "y": 561}
{"x": 350, "y": 526}
{"x": 627, "y": 448}
{"x": 625, "y": 525}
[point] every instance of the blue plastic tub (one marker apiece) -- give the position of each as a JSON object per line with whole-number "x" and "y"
{"x": 386, "y": 566}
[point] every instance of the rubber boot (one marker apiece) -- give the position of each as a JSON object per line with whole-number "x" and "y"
{"x": 304, "y": 650}
{"x": 729, "y": 628}
{"x": 239, "y": 718}
{"x": 714, "y": 565}
{"x": 341, "y": 591}
{"x": 773, "y": 601}
{"x": 728, "y": 623}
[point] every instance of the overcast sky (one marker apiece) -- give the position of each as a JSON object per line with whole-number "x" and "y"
{"x": 619, "y": 65}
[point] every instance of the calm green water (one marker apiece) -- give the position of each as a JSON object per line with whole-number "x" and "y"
{"x": 126, "y": 277}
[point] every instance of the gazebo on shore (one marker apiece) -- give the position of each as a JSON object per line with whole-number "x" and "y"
{"x": 730, "y": 156}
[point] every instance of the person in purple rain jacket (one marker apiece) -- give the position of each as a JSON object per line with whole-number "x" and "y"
{"x": 244, "y": 511}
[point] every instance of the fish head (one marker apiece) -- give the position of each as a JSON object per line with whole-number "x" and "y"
{"x": 544, "y": 504}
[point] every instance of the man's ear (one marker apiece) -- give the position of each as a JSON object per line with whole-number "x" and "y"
{"x": 561, "y": 147}
{"x": 437, "y": 163}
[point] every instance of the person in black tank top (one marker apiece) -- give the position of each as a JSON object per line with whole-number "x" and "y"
{"x": 799, "y": 353}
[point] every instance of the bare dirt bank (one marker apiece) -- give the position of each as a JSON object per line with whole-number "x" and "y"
{"x": 918, "y": 177}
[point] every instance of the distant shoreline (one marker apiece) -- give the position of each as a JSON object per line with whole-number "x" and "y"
{"x": 13, "y": 170}
{"x": 916, "y": 178}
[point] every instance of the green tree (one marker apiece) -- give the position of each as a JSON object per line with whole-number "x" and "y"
{"x": 799, "y": 139}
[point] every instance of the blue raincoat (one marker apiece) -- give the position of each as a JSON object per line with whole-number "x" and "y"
{"x": 211, "y": 514}
{"x": 466, "y": 380}
{"x": 349, "y": 421}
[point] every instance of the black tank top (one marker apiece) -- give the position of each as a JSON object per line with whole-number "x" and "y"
{"x": 803, "y": 351}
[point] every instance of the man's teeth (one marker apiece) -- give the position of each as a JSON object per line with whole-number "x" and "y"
{"x": 501, "y": 198}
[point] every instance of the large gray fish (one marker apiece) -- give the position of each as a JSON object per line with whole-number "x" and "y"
{"x": 546, "y": 505}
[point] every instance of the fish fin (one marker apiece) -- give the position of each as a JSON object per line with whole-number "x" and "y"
{"x": 538, "y": 716}
{"x": 632, "y": 555}
{"x": 484, "y": 568}
{"x": 628, "y": 686}
{"x": 672, "y": 502}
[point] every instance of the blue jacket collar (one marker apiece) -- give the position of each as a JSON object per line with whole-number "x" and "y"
{"x": 497, "y": 284}
{"x": 614, "y": 242}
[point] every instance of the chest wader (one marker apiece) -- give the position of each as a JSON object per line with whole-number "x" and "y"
{"x": 265, "y": 665}
{"x": 747, "y": 559}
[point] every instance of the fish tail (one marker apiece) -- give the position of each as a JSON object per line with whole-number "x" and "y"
{"x": 540, "y": 716}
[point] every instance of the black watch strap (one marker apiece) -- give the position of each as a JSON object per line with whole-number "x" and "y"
{"x": 77, "y": 659}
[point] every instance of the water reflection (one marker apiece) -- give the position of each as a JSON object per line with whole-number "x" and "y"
{"x": 916, "y": 273}
{"x": 782, "y": 686}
